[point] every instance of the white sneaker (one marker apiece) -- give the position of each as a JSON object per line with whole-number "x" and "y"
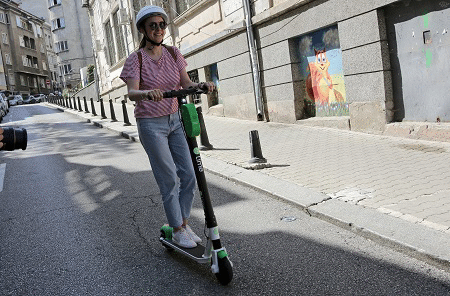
{"x": 183, "y": 239}
{"x": 192, "y": 235}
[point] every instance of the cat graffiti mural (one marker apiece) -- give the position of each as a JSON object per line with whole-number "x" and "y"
{"x": 321, "y": 58}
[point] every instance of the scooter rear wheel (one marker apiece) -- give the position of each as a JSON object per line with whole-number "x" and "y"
{"x": 225, "y": 274}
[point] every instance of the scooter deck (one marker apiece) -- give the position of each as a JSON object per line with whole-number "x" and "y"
{"x": 194, "y": 253}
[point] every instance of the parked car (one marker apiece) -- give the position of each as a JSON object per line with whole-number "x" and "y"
{"x": 15, "y": 100}
{"x": 29, "y": 100}
{"x": 40, "y": 97}
{"x": 4, "y": 104}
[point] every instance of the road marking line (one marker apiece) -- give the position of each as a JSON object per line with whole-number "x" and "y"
{"x": 2, "y": 175}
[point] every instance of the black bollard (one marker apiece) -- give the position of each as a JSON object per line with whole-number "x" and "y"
{"x": 126, "y": 120}
{"x": 204, "y": 140}
{"x": 102, "y": 109}
{"x": 255, "y": 146}
{"x": 111, "y": 108}
{"x": 93, "y": 107}
{"x": 79, "y": 105}
{"x": 86, "y": 110}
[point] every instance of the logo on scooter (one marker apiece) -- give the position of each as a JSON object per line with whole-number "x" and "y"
{"x": 196, "y": 151}
{"x": 199, "y": 163}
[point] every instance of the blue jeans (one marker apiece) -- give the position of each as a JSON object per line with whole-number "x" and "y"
{"x": 167, "y": 149}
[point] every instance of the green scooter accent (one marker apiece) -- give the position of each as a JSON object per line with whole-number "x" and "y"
{"x": 222, "y": 254}
{"x": 190, "y": 120}
{"x": 168, "y": 231}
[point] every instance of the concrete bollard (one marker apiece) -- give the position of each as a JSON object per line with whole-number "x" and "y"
{"x": 75, "y": 103}
{"x": 70, "y": 103}
{"x": 86, "y": 110}
{"x": 102, "y": 109}
{"x": 204, "y": 140}
{"x": 93, "y": 107}
{"x": 255, "y": 146}
{"x": 125, "y": 114}
{"x": 79, "y": 105}
{"x": 111, "y": 109}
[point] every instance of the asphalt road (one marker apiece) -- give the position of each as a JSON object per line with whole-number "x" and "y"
{"x": 80, "y": 214}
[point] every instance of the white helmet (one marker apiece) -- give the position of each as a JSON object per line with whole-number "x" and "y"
{"x": 148, "y": 11}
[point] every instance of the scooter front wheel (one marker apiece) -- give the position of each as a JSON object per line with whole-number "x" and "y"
{"x": 225, "y": 274}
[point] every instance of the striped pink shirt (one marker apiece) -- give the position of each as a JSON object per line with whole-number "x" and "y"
{"x": 163, "y": 74}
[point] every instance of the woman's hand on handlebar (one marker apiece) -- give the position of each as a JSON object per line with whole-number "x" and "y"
{"x": 155, "y": 95}
{"x": 207, "y": 87}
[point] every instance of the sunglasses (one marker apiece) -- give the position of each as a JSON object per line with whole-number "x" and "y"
{"x": 154, "y": 26}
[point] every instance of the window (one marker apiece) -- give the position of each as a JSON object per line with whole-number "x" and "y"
{"x": 48, "y": 41}
{"x": 7, "y": 18}
{"x": 53, "y": 2}
{"x": 58, "y": 23}
{"x": 2, "y": 17}
{"x": 22, "y": 80}
{"x": 61, "y": 46}
{"x": 110, "y": 40}
{"x": 29, "y": 61}
{"x": 35, "y": 63}
{"x": 183, "y": 5}
{"x": 18, "y": 22}
{"x": 193, "y": 75}
{"x": 8, "y": 59}
{"x": 12, "y": 79}
{"x": 24, "y": 24}
{"x": 65, "y": 69}
{"x": 27, "y": 42}
{"x": 42, "y": 48}
{"x": 119, "y": 36}
{"x": 44, "y": 66}
{"x": 5, "y": 38}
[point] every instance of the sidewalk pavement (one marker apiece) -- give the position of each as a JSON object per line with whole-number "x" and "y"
{"x": 395, "y": 191}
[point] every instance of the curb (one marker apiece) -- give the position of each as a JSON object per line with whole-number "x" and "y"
{"x": 417, "y": 241}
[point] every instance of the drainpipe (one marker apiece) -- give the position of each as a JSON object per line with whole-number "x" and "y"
{"x": 254, "y": 61}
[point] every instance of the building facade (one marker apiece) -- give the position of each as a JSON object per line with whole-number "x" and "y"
{"x": 70, "y": 38}
{"x": 23, "y": 51}
{"x": 339, "y": 63}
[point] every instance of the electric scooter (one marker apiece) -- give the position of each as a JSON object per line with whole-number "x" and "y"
{"x": 213, "y": 252}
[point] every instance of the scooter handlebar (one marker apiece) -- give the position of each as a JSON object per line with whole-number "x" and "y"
{"x": 183, "y": 92}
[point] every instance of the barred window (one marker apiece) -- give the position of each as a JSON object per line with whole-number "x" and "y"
{"x": 118, "y": 29}
{"x": 110, "y": 43}
{"x": 183, "y": 5}
{"x": 138, "y": 4}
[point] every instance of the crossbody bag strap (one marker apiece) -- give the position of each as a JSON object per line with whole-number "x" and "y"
{"x": 171, "y": 50}
{"x": 140, "y": 68}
